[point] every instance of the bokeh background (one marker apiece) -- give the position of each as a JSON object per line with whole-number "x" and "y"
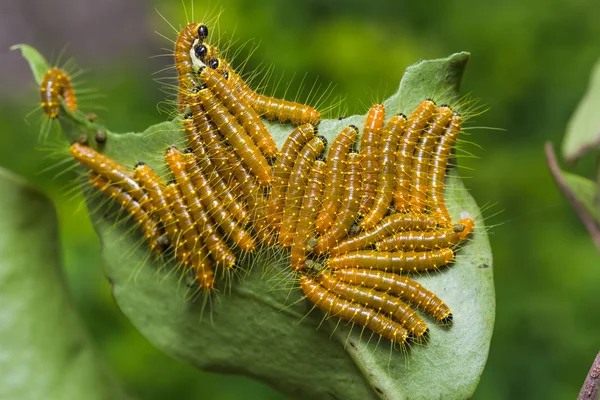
{"x": 530, "y": 65}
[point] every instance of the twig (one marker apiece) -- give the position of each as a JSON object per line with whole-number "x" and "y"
{"x": 585, "y": 217}
{"x": 589, "y": 391}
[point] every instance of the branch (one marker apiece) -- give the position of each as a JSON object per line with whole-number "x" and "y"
{"x": 585, "y": 217}
{"x": 589, "y": 391}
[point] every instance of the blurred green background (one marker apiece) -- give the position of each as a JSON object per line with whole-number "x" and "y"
{"x": 530, "y": 65}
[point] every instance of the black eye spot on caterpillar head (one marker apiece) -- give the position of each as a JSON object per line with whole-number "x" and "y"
{"x": 200, "y": 51}
{"x": 213, "y": 63}
{"x": 202, "y": 32}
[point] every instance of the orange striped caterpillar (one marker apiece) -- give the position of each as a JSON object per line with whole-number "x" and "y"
{"x": 236, "y": 176}
{"x": 335, "y": 306}
{"x": 409, "y": 261}
{"x": 422, "y": 158}
{"x": 369, "y": 148}
{"x": 150, "y": 228}
{"x": 218, "y": 151}
{"x": 241, "y": 143}
{"x": 203, "y": 222}
{"x": 268, "y": 107}
{"x": 283, "y": 168}
{"x": 388, "y": 305}
{"x": 112, "y": 171}
{"x": 154, "y": 187}
{"x": 188, "y": 235}
{"x": 56, "y": 83}
{"x": 419, "y": 241}
{"x": 237, "y": 106}
{"x": 436, "y": 201}
{"x": 385, "y": 179}
{"x": 224, "y": 192}
{"x": 183, "y": 61}
{"x": 334, "y": 184}
{"x": 297, "y": 187}
{"x": 224, "y": 218}
{"x": 198, "y": 194}
{"x": 388, "y": 226}
{"x": 349, "y": 209}
{"x": 305, "y": 229}
{"x": 199, "y": 232}
{"x": 417, "y": 122}
{"x": 401, "y": 286}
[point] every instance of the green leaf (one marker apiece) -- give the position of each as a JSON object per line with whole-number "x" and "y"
{"x": 44, "y": 351}
{"x": 582, "y": 193}
{"x": 260, "y": 326}
{"x": 583, "y": 131}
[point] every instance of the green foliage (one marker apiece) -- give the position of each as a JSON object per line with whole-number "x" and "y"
{"x": 46, "y": 353}
{"x": 259, "y": 329}
{"x": 583, "y": 132}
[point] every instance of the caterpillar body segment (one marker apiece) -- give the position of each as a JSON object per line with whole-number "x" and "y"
{"x": 422, "y": 241}
{"x": 283, "y": 168}
{"x": 400, "y": 262}
{"x": 348, "y": 212}
{"x": 385, "y": 179}
{"x": 417, "y": 122}
{"x": 369, "y": 148}
{"x": 335, "y": 306}
{"x": 401, "y": 286}
{"x": 421, "y": 163}
{"x": 334, "y": 183}
{"x": 296, "y": 188}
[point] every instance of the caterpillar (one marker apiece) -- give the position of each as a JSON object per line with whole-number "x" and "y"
{"x": 188, "y": 236}
{"x": 305, "y": 228}
{"x": 151, "y": 230}
{"x": 385, "y": 178}
{"x": 369, "y": 147}
{"x": 215, "y": 207}
{"x": 154, "y": 187}
{"x": 334, "y": 184}
{"x": 422, "y": 158}
{"x": 112, "y": 171}
{"x": 217, "y": 149}
{"x": 417, "y": 122}
{"x": 283, "y": 168}
{"x": 223, "y": 191}
{"x": 268, "y": 107}
{"x": 196, "y": 191}
{"x": 436, "y": 200}
{"x": 390, "y": 306}
{"x": 409, "y": 261}
{"x": 241, "y": 143}
{"x": 401, "y": 286}
{"x": 388, "y": 226}
{"x": 297, "y": 187}
{"x": 419, "y": 241}
{"x": 335, "y": 306}
{"x": 199, "y": 232}
{"x": 237, "y": 106}
{"x": 57, "y": 83}
{"x": 183, "y": 62}
{"x": 350, "y": 204}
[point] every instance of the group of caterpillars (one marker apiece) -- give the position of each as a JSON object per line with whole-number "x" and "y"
{"x": 355, "y": 221}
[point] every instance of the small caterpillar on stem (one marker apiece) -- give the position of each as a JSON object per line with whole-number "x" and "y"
{"x": 57, "y": 83}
